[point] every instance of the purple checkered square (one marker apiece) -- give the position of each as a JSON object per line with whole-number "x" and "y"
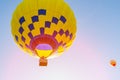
{"x": 61, "y": 32}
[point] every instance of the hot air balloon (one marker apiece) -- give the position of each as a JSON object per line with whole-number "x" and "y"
{"x": 43, "y": 28}
{"x": 113, "y": 63}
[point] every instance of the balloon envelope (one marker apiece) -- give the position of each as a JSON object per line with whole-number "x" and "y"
{"x": 43, "y": 28}
{"x": 113, "y": 63}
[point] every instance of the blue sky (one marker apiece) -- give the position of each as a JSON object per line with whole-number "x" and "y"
{"x": 98, "y": 34}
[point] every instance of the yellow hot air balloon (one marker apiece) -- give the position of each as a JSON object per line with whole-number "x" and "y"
{"x": 43, "y": 28}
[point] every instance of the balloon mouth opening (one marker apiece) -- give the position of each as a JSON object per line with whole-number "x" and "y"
{"x": 44, "y": 42}
{"x": 44, "y": 47}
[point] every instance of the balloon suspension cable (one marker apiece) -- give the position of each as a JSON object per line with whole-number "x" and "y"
{"x": 43, "y": 61}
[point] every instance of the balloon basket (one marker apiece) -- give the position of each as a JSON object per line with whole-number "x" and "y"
{"x": 43, "y": 62}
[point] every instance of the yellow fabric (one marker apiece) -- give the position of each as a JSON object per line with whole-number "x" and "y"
{"x": 46, "y": 53}
{"x": 54, "y": 8}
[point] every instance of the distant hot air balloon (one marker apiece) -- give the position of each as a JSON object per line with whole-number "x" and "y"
{"x": 113, "y": 63}
{"x": 43, "y": 28}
